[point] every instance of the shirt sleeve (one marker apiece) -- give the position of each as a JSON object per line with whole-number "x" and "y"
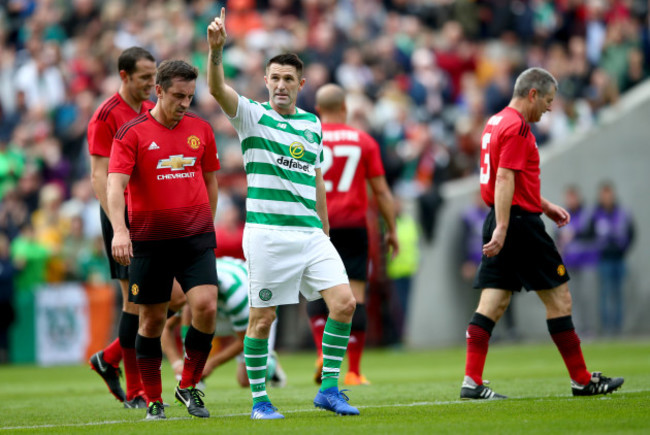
{"x": 372, "y": 160}
{"x": 513, "y": 152}
{"x": 244, "y": 114}
{"x": 100, "y": 138}
{"x": 123, "y": 154}
{"x": 210, "y": 161}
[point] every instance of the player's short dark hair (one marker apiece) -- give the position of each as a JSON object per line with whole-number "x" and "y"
{"x": 175, "y": 69}
{"x": 287, "y": 59}
{"x": 130, "y": 57}
{"x": 534, "y": 78}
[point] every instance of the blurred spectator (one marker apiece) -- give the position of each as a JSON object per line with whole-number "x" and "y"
{"x": 580, "y": 256}
{"x": 401, "y": 268}
{"x": 13, "y": 214}
{"x": 82, "y": 202}
{"x": 472, "y": 237}
{"x": 40, "y": 79}
{"x": 12, "y": 164}
{"x": 7, "y": 315}
{"x": 50, "y": 228}
{"x": 93, "y": 267}
{"x": 613, "y": 229}
{"x": 30, "y": 257}
{"x": 73, "y": 247}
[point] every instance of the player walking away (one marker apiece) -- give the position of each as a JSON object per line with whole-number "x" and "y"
{"x": 517, "y": 251}
{"x": 285, "y": 238}
{"x": 350, "y": 159}
{"x": 137, "y": 70}
{"x": 232, "y": 321}
{"x": 168, "y": 158}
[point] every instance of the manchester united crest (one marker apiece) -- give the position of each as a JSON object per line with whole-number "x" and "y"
{"x": 135, "y": 289}
{"x": 561, "y": 270}
{"x": 194, "y": 142}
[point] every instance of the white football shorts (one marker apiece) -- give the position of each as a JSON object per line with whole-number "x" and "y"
{"x": 282, "y": 263}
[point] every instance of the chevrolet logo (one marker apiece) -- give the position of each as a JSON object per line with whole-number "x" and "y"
{"x": 176, "y": 163}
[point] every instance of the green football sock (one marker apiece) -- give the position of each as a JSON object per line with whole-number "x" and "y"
{"x": 256, "y": 352}
{"x": 335, "y": 342}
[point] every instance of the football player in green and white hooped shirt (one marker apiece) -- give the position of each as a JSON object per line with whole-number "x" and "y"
{"x": 232, "y": 320}
{"x": 286, "y": 241}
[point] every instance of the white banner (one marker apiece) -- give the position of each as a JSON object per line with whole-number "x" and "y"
{"x": 62, "y": 324}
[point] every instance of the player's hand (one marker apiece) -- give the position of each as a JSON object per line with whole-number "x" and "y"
{"x": 217, "y": 31}
{"x": 393, "y": 244}
{"x": 177, "y": 366}
{"x": 494, "y": 246}
{"x": 122, "y": 248}
{"x": 557, "y": 214}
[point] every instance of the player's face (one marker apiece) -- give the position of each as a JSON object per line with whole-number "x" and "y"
{"x": 176, "y": 100}
{"x": 141, "y": 82}
{"x": 283, "y": 84}
{"x": 542, "y": 105}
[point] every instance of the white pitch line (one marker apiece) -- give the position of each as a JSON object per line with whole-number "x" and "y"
{"x": 299, "y": 411}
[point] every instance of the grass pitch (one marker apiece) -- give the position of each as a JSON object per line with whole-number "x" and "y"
{"x": 411, "y": 392}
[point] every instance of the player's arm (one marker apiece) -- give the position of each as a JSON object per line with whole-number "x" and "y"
{"x": 226, "y": 354}
{"x": 99, "y": 178}
{"x": 212, "y": 185}
{"x": 556, "y": 213}
{"x": 121, "y": 246}
{"x": 386, "y": 206}
{"x": 504, "y": 190}
{"x": 321, "y": 201}
{"x": 226, "y": 96}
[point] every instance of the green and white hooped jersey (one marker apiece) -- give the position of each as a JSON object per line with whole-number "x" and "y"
{"x": 281, "y": 154}
{"x": 232, "y": 302}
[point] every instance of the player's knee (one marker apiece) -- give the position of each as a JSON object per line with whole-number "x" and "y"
{"x": 261, "y": 322}
{"x": 344, "y": 306}
{"x": 152, "y": 324}
{"x": 205, "y": 309}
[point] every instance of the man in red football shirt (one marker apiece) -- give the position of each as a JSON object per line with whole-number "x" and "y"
{"x": 351, "y": 158}
{"x": 517, "y": 251}
{"x": 168, "y": 157}
{"x": 137, "y": 68}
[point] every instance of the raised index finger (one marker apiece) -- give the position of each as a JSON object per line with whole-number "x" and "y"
{"x": 223, "y": 14}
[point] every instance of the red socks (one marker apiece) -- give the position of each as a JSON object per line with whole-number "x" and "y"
{"x": 317, "y": 324}
{"x": 355, "y": 350}
{"x": 568, "y": 343}
{"x": 113, "y": 353}
{"x": 478, "y": 338}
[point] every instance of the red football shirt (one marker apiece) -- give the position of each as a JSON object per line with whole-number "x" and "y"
{"x": 350, "y": 157}
{"x": 508, "y": 143}
{"x": 167, "y": 194}
{"x": 107, "y": 119}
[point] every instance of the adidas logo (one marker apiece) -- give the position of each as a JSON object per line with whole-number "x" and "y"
{"x": 153, "y": 146}
{"x": 319, "y": 322}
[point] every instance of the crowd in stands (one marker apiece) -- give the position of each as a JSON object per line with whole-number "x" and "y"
{"x": 421, "y": 76}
